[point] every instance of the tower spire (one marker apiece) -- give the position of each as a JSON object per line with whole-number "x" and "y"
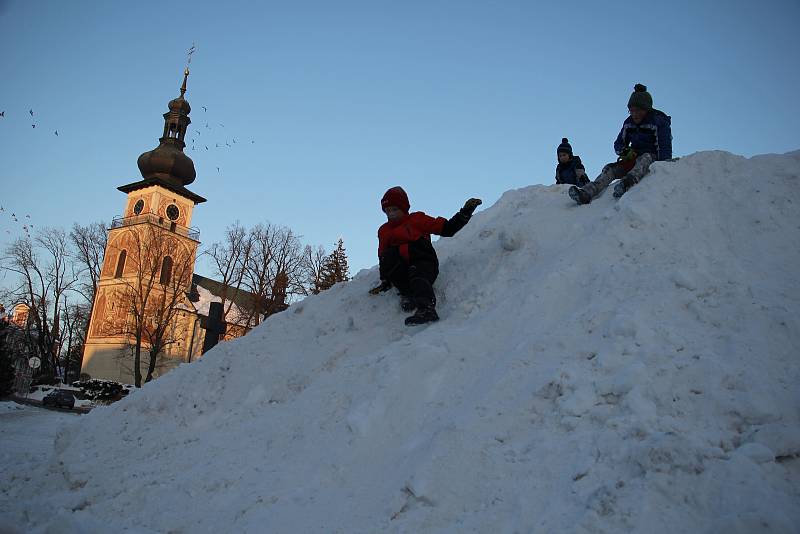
{"x": 185, "y": 76}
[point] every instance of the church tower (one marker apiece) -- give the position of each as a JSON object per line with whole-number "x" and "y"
{"x": 151, "y": 249}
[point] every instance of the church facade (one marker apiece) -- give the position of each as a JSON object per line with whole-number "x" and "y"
{"x": 148, "y": 295}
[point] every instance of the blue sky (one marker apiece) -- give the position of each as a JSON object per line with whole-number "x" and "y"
{"x": 331, "y": 103}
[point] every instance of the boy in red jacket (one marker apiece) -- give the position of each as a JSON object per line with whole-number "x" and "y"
{"x": 407, "y": 258}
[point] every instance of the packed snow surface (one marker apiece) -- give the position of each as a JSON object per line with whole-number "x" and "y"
{"x": 626, "y": 366}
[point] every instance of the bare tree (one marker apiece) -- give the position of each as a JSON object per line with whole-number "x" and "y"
{"x": 89, "y": 243}
{"x": 314, "y": 265}
{"x": 75, "y": 324}
{"x": 274, "y": 273}
{"x": 230, "y": 258}
{"x": 46, "y": 275}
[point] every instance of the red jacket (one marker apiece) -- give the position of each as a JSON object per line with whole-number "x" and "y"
{"x": 411, "y": 228}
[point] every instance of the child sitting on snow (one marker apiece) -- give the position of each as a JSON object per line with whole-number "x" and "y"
{"x": 645, "y": 137}
{"x": 407, "y": 258}
{"x": 569, "y": 170}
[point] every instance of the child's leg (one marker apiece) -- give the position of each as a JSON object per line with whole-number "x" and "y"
{"x": 641, "y": 167}
{"x": 421, "y": 277}
{"x": 610, "y": 172}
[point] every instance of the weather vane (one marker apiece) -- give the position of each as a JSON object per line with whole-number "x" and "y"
{"x": 189, "y": 55}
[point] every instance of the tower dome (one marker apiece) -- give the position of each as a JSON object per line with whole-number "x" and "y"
{"x": 167, "y": 162}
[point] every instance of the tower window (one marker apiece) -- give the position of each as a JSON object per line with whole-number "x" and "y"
{"x": 166, "y": 270}
{"x": 121, "y": 263}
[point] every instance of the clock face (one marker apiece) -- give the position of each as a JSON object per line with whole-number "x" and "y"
{"x": 138, "y": 207}
{"x": 173, "y": 212}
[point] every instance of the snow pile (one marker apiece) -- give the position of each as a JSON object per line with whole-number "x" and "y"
{"x": 623, "y": 366}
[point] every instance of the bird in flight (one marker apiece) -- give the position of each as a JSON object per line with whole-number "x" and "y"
{"x": 56, "y": 132}
{"x": 218, "y": 170}
{"x": 204, "y": 108}
{"x": 2, "y": 113}
{"x": 31, "y": 112}
{"x": 33, "y": 126}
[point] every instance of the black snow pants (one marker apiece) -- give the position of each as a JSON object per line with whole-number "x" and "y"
{"x": 413, "y": 279}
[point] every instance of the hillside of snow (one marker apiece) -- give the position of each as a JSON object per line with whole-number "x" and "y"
{"x": 626, "y": 366}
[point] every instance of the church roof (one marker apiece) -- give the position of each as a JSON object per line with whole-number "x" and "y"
{"x": 242, "y": 299}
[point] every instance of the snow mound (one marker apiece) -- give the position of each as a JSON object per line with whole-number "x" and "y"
{"x": 630, "y": 365}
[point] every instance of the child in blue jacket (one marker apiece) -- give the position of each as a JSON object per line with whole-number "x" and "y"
{"x": 645, "y": 137}
{"x": 570, "y": 169}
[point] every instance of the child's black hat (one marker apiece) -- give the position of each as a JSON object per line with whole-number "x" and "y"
{"x": 564, "y": 147}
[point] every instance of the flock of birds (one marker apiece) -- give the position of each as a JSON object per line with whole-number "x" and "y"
{"x": 33, "y": 120}
{"x": 195, "y": 134}
{"x": 214, "y": 142}
{"x": 26, "y": 225}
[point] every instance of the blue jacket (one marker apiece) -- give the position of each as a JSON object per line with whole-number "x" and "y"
{"x": 653, "y": 135}
{"x": 567, "y": 173}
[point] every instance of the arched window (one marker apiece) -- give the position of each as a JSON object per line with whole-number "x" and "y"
{"x": 121, "y": 263}
{"x": 166, "y": 270}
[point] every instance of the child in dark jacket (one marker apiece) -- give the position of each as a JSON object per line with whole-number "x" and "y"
{"x": 407, "y": 258}
{"x": 570, "y": 169}
{"x": 645, "y": 137}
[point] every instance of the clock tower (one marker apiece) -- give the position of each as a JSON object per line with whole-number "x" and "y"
{"x": 158, "y": 208}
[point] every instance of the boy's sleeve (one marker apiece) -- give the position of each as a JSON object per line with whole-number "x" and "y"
{"x": 620, "y": 143}
{"x": 664, "y": 133}
{"x": 381, "y": 242}
{"x": 454, "y": 224}
{"x": 558, "y": 180}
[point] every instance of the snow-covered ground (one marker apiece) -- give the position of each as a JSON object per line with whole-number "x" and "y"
{"x": 627, "y": 366}
{"x": 28, "y": 434}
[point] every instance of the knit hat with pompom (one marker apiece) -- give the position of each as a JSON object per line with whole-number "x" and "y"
{"x": 564, "y": 146}
{"x": 640, "y": 98}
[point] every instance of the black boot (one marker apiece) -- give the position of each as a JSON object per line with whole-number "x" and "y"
{"x": 579, "y": 195}
{"x": 424, "y": 314}
{"x": 623, "y": 185}
{"x": 407, "y": 303}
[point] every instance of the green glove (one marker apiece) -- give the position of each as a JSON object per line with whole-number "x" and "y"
{"x": 470, "y": 205}
{"x": 627, "y": 154}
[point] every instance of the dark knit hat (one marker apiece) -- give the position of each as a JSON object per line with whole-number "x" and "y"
{"x": 640, "y": 98}
{"x": 395, "y": 197}
{"x": 564, "y": 146}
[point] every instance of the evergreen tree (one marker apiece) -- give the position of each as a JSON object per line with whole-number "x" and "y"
{"x": 335, "y": 268}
